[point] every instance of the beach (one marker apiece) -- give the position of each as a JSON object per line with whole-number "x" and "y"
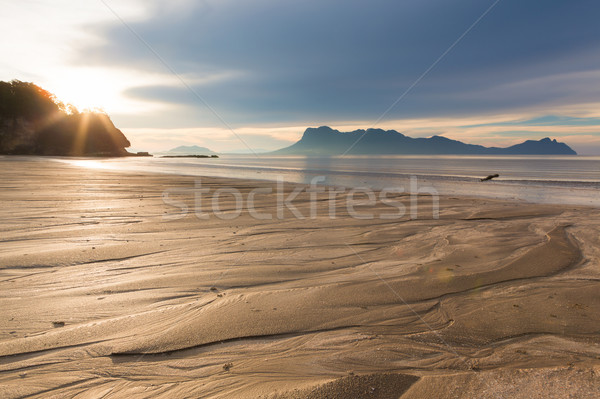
{"x": 129, "y": 284}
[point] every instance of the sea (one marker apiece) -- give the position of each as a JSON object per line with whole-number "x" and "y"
{"x": 569, "y": 180}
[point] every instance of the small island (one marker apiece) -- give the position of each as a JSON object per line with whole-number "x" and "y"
{"x": 189, "y": 151}
{"x": 34, "y": 122}
{"x": 190, "y": 156}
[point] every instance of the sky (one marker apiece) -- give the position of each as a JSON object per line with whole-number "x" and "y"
{"x": 232, "y": 74}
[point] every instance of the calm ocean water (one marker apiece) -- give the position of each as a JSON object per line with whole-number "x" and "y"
{"x": 543, "y": 179}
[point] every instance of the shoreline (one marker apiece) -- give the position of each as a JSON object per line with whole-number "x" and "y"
{"x": 531, "y": 191}
{"x": 101, "y": 293}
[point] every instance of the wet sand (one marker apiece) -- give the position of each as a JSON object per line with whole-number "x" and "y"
{"x": 106, "y": 290}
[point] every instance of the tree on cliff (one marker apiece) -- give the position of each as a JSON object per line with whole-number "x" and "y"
{"x": 32, "y": 122}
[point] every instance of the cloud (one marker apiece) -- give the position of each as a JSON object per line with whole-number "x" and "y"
{"x": 284, "y": 61}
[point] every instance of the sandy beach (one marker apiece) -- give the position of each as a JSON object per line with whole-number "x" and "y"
{"x": 117, "y": 284}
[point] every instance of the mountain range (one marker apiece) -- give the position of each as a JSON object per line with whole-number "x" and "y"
{"x": 327, "y": 141}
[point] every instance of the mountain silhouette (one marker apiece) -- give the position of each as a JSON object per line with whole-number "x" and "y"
{"x": 327, "y": 141}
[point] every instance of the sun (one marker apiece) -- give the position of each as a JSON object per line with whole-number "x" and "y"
{"x": 87, "y": 91}
{"x": 97, "y": 88}
{"x": 94, "y": 89}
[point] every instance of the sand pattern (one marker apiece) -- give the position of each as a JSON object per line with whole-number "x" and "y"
{"x": 106, "y": 291}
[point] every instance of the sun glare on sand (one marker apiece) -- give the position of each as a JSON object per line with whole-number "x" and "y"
{"x": 84, "y": 163}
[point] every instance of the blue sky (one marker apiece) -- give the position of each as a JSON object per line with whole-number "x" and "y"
{"x": 269, "y": 69}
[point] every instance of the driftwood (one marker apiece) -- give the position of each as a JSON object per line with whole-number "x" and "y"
{"x": 490, "y": 177}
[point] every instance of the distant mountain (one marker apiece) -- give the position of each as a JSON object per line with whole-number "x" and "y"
{"x": 327, "y": 141}
{"x": 190, "y": 150}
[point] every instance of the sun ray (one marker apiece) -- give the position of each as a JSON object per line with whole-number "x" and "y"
{"x": 81, "y": 136}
